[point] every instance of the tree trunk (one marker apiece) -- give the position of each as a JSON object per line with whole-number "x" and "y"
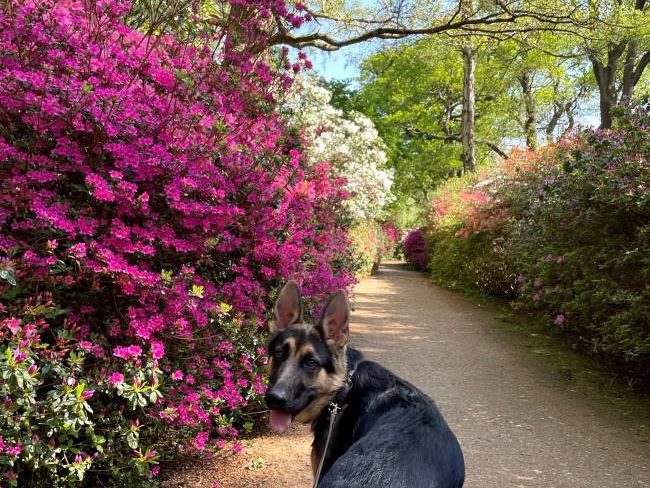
{"x": 628, "y": 75}
{"x": 558, "y": 111}
{"x": 530, "y": 119}
{"x": 606, "y": 74}
{"x": 469, "y": 109}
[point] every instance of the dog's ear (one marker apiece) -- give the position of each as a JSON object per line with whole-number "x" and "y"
{"x": 334, "y": 323}
{"x": 288, "y": 307}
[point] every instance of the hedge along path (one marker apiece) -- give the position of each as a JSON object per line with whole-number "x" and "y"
{"x": 520, "y": 423}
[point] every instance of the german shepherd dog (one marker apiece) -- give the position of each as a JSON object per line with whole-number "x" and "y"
{"x": 371, "y": 428}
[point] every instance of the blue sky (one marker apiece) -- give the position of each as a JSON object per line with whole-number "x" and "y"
{"x": 342, "y": 64}
{"x": 338, "y": 65}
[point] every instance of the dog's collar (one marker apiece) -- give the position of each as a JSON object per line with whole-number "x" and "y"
{"x": 334, "y": 408}
{"x": 339, "y": 397}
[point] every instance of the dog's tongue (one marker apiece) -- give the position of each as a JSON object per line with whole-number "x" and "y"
{"x": 279, "y": 421}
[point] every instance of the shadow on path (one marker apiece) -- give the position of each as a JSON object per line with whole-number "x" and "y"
{"x": 519, "y": 426}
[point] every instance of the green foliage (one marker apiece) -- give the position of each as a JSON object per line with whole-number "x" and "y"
{"x": 565, "y": 231}
{"x": 63, "y": 425}
{"x": 55, "y": 423}
{"x": 468, "y": 259}
{"x": 413, "y": 93}
{"x": 367, "y": 245}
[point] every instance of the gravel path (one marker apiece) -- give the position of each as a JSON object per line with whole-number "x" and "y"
{"x": 521, "y": 425}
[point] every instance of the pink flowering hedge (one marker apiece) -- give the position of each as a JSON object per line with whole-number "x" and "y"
{"x": 415, "y": 249}
{"x": 565, "y": 232}
{"x": 392, "y": 240}
{"x": 151, "y": 201}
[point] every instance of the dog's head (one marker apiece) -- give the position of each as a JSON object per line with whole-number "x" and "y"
{"x": 307, "y": 362}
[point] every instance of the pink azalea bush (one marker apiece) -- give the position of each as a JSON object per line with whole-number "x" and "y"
{"x": 151, "y": 201}
{"x": 415, "y": 249}
{"x": 392, "y": 237}
{"x": 564, "y": 231}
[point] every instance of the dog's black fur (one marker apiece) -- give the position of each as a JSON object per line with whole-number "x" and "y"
{"x": 387, "y": 434}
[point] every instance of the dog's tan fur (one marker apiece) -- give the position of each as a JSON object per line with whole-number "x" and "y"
{"x": 333, "y": 328}
{"x": 326, "y": 384}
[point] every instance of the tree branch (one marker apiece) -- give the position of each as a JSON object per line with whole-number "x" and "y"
{"x": 643, "y": 63}
{"x": 454, "y": 138}
{"x": 479, "y": 24}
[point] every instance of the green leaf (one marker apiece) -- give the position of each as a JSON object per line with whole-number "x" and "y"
{"x": 197, "y": 291}
{"x": 8, "y": 276}
{"x": 166, "y": 275}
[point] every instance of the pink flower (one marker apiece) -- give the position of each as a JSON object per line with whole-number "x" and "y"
{"x": 14, "y": 450}
{"x": 178, "y": 375}
{"x": 127, "y": 352}
{"x": 559, "y": 320}
{"x": 13, "y": 324}
{"x": 157, "y": 349}
{"x": 88, "y": 394}
{"x": 116, "y": 378}
{"x": 19, "y": 356}
{"x": 200, "y": 441}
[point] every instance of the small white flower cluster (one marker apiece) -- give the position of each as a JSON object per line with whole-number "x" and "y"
{"x": 350, "y": 143}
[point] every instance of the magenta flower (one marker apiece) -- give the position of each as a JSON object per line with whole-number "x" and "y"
{"x": 157, "y": 349}
{"x": 200, "y": 441}
{"x": 127, "y": 352}
{"x": 559, "y": 320}
{"x": 13, "y": 324}
{"x": 139, "y": 153}
{"x": 116, "y": 378}
{"x": 14, "y": 450}
{"x": 19, "y": 356}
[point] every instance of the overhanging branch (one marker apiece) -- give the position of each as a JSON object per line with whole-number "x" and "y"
{"x": 503, "y": 18}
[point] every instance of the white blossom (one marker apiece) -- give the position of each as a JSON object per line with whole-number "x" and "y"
{"x": 350, "y": 143}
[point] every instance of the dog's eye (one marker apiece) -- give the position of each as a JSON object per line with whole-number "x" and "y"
{"x": 311, "y": 364}
{"x": 279, "y": 354}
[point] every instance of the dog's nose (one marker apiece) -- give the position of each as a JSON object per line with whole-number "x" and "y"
{"x": 277, "y": 397}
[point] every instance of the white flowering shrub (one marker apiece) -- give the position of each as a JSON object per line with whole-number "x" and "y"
{"x": 349, "y": 142}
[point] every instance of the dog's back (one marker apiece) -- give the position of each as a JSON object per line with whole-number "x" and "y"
{"x": 389, "y": 434}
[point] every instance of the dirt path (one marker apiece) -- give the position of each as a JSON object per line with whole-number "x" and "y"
{"x": 520, "y": 424}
